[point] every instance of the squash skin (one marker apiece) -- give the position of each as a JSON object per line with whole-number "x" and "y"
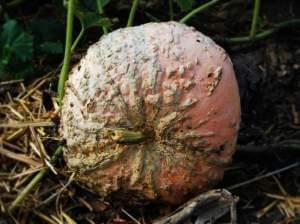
{"x": 167, "y": 81}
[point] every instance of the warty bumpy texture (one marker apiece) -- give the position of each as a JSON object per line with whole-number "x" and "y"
{"x": 166, "y": 80}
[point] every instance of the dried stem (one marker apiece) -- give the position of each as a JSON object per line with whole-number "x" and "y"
{"x": 11, "y": 82}
{"x": 28, "y": 124}
{"x": 285, "y": 146}
{"x": 124, "y": 136}
{"x": 255, "y": 179}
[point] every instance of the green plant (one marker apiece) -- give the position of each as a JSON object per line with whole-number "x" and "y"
{"x": 255, "y": 16}
{"x": 16, "y": 50}
{"x": 48, "y": 37}
{"x": 263, "y": 34}
{"x": 132, "y": 12}
{"x": 90, "y": 14}
{"x": 62, "y": 79}
{"x": 20, "y": 47}
{"x": 198, "y": 10}
{"x": 100, "y": 5}
{"x": 185, "y": 5}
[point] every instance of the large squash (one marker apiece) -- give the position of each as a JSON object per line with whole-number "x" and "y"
{"x": 151, "y": 113}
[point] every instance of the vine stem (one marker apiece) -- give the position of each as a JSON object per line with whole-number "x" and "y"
{"x": 14, "y": 3}
{"x": 171, "y": 10}
{"x": 63, "y": 77}
{"x": 264, "y": 34}
{"x": 67, "y": 57}
{"x": 101, "y": 11}
{"x": 256, "y": 10}
{"x": 132, "y": 12}
{"x": 198, "y": 10}
{"x": 76, "y": 41}
{"x": 22, "y": 195}
{"x": 82, "y": 29}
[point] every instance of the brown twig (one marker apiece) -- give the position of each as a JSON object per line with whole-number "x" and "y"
{"x": 27, "y": 124}
{"x": 260, "y": 177}
{"x": 20, "y": 157}
{"x": 283, "y": 146}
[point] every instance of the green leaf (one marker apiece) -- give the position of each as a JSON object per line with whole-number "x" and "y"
{"x": 47, "y": 30}
{"x": 91, "y": 19}
{"x": 15, "y": 42}
{"x": 51, "y": 48}
{"x": 105, "y": 2}
{"x": 185, "y": 5}
{"x": 16, "y": 48}
{"x": 9, "y": 30}
{"x": 92, "y": 4}
{"x": 23, "y": 46}
{"x": 80, "y": 9}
